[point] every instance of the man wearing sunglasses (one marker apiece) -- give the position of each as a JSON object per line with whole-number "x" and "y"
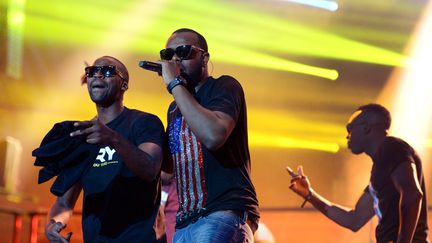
{"x": 396, "y": 191}
{"x": 207, "y": 129}
{"x": 121, "y": 185}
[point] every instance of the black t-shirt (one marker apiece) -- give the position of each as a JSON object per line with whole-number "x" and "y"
{"x": 391, "y": 154}
{"x": 118, "y": 205}
{"x": 209, "y": 181}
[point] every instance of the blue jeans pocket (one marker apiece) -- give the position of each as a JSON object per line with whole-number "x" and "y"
{"x": 218, "y": 227}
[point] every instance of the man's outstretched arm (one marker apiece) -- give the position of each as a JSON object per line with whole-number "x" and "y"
{"x": 352, "y": 219}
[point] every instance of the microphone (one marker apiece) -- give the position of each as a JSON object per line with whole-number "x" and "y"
{"x": 151, "y": 66}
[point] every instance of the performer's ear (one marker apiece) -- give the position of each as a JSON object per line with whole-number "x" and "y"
{"x": 125, "y": 86}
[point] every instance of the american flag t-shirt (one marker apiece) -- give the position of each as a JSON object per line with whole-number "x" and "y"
{"x": 187, "y": 155}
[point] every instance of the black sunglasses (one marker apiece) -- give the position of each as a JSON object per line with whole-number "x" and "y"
{"x": 106, "y": 71}
{"x": 183, "y": 52}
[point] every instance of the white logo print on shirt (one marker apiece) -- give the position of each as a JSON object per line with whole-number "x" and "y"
{"x": 105, "y": 157}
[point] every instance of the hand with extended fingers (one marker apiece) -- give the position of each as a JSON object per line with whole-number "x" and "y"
{"x": 299, "y": 182}
{"x": 96, "y": 131}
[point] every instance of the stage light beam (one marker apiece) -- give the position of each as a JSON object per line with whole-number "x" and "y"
{"x": 323, "y": 4}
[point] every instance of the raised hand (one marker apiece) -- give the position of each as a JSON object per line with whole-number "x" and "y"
{"x": 170, "y": 70}
{"x": 299, "y": 182}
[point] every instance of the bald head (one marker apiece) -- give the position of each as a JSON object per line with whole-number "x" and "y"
{"x": 120, "y": 67}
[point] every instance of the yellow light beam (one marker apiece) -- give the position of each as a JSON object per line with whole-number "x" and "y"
{"x": 253, "y": 34}
{"x": 15, "y": 29}
{"x": 264, "y": 139}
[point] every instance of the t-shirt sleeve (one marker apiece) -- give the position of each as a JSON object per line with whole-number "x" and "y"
{"x": 366, "y": 190}
{"x": 148, "y": 129}
{"x": 227, "y": 97}
{"x": 395, "y": 152}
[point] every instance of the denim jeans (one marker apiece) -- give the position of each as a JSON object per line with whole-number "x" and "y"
{"x": 218, "y": 227}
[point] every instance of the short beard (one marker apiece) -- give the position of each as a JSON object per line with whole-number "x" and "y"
{"x": 193, "y": 79}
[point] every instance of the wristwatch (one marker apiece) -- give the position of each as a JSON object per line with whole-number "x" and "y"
{"x": 179, "y": 80}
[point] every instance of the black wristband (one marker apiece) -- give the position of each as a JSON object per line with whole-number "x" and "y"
{"x": 176, "y": 81}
